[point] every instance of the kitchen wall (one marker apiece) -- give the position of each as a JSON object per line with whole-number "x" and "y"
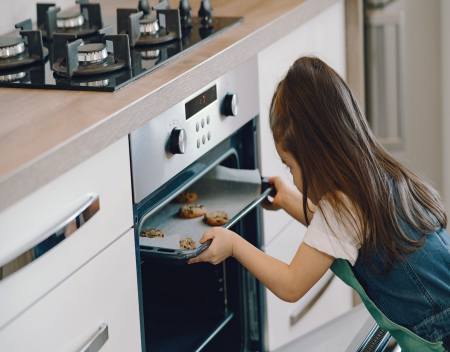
{"x": 15, "y": 11}
{"x": 445, "y": 95}
{"x": 422, "y": 150}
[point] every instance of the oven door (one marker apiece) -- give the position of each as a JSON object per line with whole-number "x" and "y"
{"x": 202, "y": 306}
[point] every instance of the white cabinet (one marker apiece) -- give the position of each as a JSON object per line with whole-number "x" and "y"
{"x": 106, "y": 174}
{"x": 324, "y": 37}
{"x": 103, "y": 291}
{"x": 334, "y": 301}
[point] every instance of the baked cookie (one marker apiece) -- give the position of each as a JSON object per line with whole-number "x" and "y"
{"x": 187, "y": 244}
{"x": 186, "y": 197}
{"x": 152, "y": 233}
{"x": 216, "y": 218}
{"x": 191, "y": 211}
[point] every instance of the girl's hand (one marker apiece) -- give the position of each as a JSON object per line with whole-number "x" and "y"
{"x": 288, "y": 198}
{"x": 219, "y": 250}
{"x": 281, "y": 196}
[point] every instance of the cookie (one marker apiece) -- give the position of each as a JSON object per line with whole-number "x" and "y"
{"x": 152, "y": 233}
{"x": 187, "y": 244}
{"x": 191, "y": 211}
{"x": 216, "y": 218}
{"x": 186, "y": 197}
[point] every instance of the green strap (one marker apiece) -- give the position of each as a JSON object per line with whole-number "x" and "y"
{"x": 408, "y": 341}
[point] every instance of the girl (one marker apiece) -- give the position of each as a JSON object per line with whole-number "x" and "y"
{"x": 377, "y": 225}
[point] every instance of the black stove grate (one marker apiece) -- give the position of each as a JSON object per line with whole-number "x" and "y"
{"x": 144, "y": 59}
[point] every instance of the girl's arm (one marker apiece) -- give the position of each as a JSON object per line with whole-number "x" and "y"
{"x": 288, "y": 198}
{"x": 288, "y": 282}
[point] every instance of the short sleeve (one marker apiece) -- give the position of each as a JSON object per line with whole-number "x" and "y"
{"x": 331, "y": 237}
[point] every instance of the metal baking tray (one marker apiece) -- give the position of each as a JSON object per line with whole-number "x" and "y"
{"x": 232, "y": 190}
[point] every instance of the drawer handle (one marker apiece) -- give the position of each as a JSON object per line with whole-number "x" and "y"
{"x": 98, "y": 340}
{"x": 24, "y": 254}
{"x": 300, "y": 313}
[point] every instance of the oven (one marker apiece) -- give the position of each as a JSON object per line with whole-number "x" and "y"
{"x": 206, "y": 143}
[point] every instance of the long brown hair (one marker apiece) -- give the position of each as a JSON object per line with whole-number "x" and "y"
{"x": 315, "y": 117}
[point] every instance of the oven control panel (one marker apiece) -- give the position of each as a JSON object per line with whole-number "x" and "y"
{"x": 170, "y": 142}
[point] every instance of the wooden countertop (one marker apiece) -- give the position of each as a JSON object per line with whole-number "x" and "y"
{"x": 44, "y": 133}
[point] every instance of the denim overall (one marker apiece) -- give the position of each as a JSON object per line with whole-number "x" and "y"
{"x": 412, "y": 301}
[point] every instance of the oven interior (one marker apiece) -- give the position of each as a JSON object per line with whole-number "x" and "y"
{"x": 203, "y": 306}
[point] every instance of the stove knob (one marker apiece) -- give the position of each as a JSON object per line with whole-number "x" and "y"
{"x": 205, "y": 9}
{"x": 230, "y": 105}
{"x": 178, "y": 141}
{"x": 185, "y": 8}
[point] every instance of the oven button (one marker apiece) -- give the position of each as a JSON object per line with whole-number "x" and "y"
{"x": 203, "y": 123}
{"x": 209, "y": 135}
{"x": 230, "y": 105}
{"x": 198, "y": 143}
{"x": 208, "y": 119}
{"x": 178, "y": 141}
{"x": 197, "y": 127}
{"x": 203, "y": 139}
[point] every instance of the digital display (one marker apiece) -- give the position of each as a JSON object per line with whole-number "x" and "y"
{"x": 200, "y": 102}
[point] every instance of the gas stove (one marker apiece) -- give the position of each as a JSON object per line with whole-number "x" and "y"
{"x": 71, "y": 50}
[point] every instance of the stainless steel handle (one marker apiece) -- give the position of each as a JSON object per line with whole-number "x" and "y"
{"x": 249, "y": 207}
{"x": 300, "y": 313}
{"x": 98, "y": 340}
{"x": 27, "y": 252}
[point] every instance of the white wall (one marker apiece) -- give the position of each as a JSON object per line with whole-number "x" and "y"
{"x": 15, "y": 11}
{"x": 445, "y": 94}
{"x": 422, "y": 67}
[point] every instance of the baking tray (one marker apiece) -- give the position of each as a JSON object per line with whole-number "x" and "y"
{"x": 235, "y": 191}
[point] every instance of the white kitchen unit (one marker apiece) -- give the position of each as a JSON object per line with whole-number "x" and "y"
{"x": 323, "y": 37}
{"x": 28, "y": 222}
{"x": 100, "y": 294}
{"x": 282, "y": 322}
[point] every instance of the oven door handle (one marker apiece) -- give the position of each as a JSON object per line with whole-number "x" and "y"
{"x": 267, "y": 189}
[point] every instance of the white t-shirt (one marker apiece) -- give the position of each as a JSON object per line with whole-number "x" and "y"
{"x": 331, "y": 238}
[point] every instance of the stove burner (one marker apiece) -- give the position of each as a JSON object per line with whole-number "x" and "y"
{"x": 12, "y": 77}
{"x": 94, "y": 58}
{"x": 92, "y": 53}
{"x": 11, "y": 46}
{"x": 101, "y": 83}
{"x": 167, "y": 21}
{"x": 21, "y": 51}
{"x": 83, "y": 21}
{"x": 148, "y": 26}
{"x": 69, "y": 19}
{"x": 150, "y": 54}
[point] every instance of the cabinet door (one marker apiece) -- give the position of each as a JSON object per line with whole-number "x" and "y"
{"x": 324, "y": 37}
{"x": 335, "y": 299}
{"x": 103, "y": 291}
{"x": 24, "y": 224}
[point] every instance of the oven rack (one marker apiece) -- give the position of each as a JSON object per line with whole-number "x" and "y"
{"x": 177, "y": 256}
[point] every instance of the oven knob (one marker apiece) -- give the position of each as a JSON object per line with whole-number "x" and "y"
{"x": 178, "y": 141}
{"x": 230, "y": 105}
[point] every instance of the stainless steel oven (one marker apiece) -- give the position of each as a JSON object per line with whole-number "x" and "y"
{"x": 202, "y": 306}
